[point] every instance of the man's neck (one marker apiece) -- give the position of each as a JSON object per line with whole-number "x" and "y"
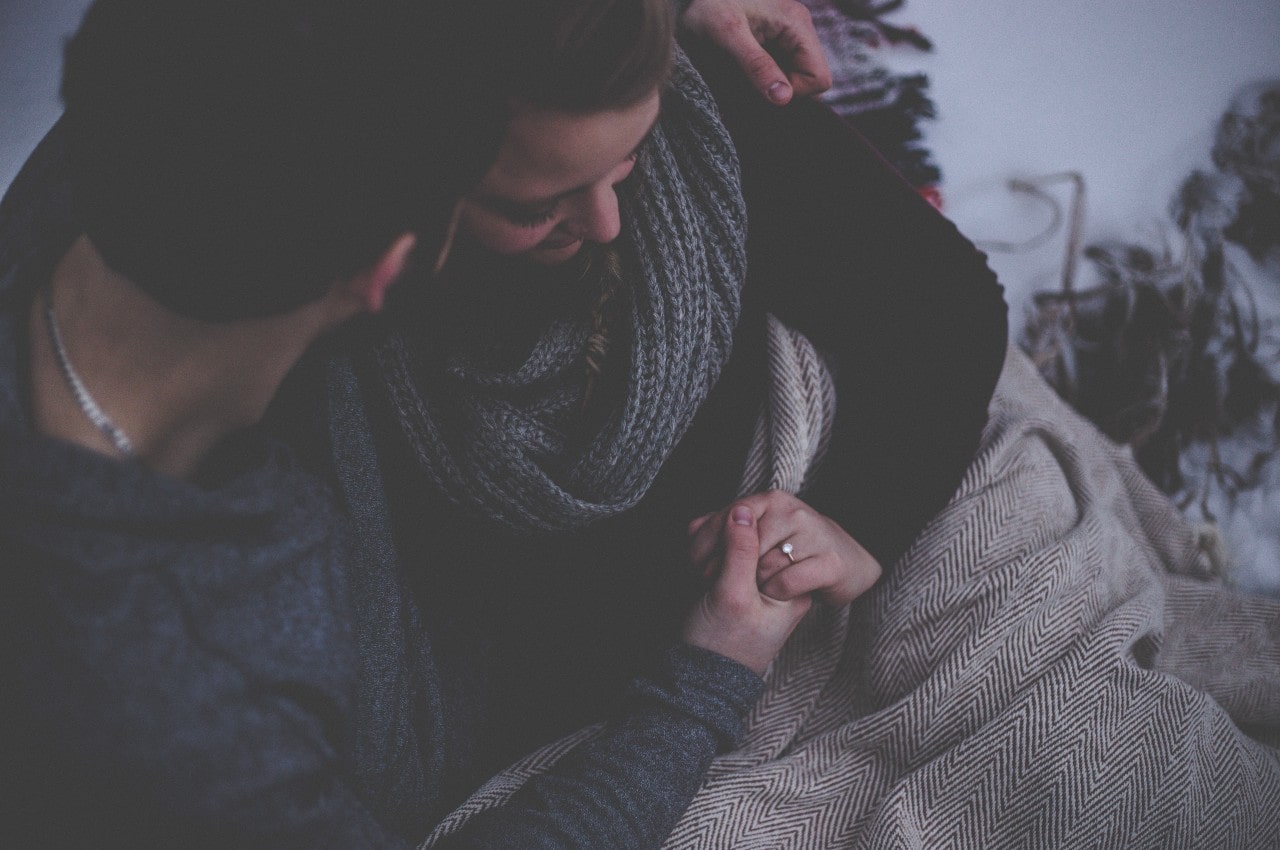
{"x": 175, "y": 386}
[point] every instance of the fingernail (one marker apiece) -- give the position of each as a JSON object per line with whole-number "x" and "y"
{"x": 742, "y": 515}
{"x": 779, "y": 92}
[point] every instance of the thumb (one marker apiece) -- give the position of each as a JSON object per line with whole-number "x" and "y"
{"x": 757, "y": 64}
{"x": 741, "y": 548}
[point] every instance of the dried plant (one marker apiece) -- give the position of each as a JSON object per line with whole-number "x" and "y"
{"x": 1172, "y": 347}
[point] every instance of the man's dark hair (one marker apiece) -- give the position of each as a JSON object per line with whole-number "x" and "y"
{"x": 235, "y": 158}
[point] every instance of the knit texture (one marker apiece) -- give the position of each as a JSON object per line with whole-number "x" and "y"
{"x": 508, "y": 441}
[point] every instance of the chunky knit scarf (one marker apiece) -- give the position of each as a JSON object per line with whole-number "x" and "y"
{"x": 511, "y": 439}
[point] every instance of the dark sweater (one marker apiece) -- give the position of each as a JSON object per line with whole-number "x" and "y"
{"x": 179, "y": 660}
{"x": 213, "y": 664}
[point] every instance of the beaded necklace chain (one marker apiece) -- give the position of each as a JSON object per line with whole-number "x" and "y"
{"x": 87, "y": 404}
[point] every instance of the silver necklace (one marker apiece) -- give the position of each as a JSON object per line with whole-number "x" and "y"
{"x": 90, "y": 407}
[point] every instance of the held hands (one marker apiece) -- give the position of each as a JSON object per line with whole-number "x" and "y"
{"x": 825, "y": 561}
{"x": 734, "y": 618}
{"x": 774, "y": 42}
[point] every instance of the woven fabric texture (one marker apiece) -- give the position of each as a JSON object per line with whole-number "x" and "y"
{"x": 1028, "y": 675}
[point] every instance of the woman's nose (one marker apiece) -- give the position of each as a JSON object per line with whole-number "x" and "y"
{"x": 597, "y": 218}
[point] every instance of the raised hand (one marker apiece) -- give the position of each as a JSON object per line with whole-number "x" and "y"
{"x": 734, "y": 618}
{"x": 773, "y": 41}
{"x": 823, "y": 560}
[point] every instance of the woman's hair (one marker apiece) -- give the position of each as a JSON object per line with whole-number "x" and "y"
{"x": 235, "y": 158}
{"x": 577, "y": 56}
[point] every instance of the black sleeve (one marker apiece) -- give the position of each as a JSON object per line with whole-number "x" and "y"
{"x": 905, "y": 307}
{"x": 627, "y": 787}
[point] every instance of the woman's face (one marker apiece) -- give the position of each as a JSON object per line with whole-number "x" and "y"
{"x": 552, "y": 186}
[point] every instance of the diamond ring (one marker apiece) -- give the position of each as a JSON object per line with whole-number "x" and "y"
{"x": 787, "y": 549}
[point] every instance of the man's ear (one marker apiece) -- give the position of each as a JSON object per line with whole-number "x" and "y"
{"x": 448, "y": 238}
{"x": 370, "y": 286}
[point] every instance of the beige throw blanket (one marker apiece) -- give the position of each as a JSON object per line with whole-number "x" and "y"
{"x": 1050, "y": 665}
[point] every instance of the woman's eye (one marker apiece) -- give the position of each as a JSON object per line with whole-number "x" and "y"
{"x": 530, "y": 218}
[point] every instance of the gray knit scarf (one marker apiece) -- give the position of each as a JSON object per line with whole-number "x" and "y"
{"x": 508, "y": 439}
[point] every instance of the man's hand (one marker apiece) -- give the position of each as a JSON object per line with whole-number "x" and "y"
{"x": 734, "y": 618}
{"x": 823, "y": 559}
{"x": 774, "y": 42}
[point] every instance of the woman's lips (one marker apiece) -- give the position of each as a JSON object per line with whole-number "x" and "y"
{"x": 556, "y": 243}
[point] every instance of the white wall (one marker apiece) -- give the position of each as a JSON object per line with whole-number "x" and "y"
{"x": 1128, "y": 92}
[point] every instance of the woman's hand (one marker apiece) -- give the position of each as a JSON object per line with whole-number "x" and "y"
{"x": 754, "y": 32}
{"x": 824, "y": 561}
{"x": 734, "y": 618}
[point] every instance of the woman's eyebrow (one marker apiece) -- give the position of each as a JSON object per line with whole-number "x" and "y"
{"x": 502, "y": 203}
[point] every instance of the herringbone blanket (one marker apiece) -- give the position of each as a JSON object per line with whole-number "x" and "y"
{"x": 1049, "y": 666}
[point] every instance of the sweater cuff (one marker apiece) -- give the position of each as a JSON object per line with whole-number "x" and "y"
{"x": 706, "y": 686}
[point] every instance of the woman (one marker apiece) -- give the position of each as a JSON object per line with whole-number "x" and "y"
{"x": 519, "y": 656}
{"x": 540, "y": 503}
{"x": 548, "y": 432}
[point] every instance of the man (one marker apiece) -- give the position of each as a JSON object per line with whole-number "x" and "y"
{"x": 242, "y": 178}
